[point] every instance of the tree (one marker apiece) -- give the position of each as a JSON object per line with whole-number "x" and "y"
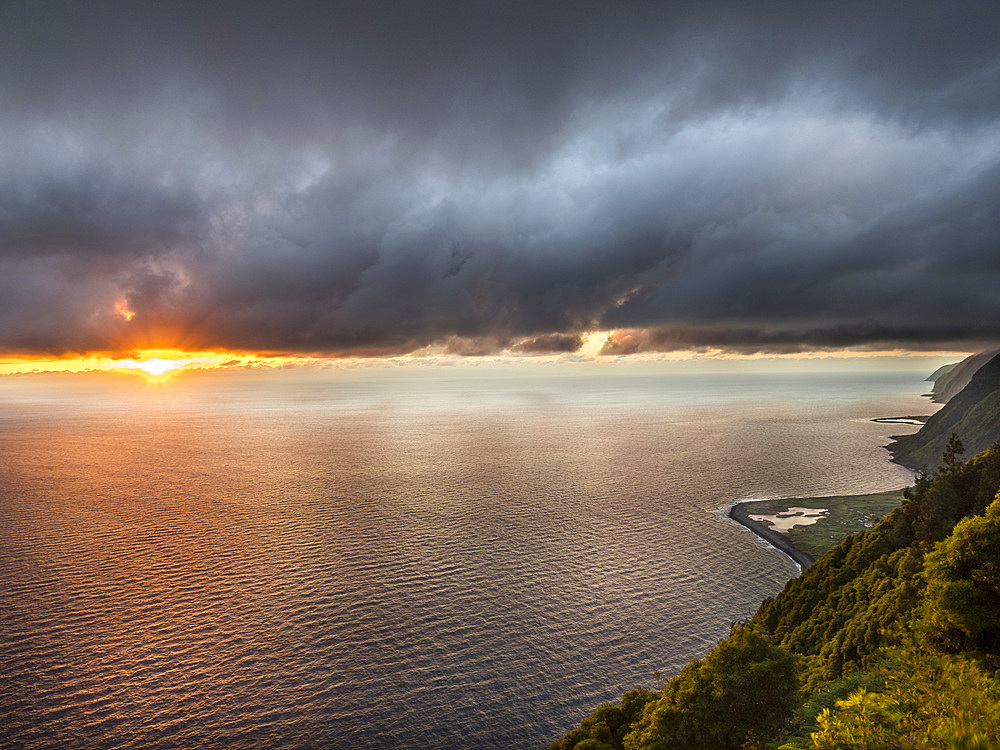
{"x": 925, "y": 701}
{"x": 963, "y": 583}
{"x": 605, "y": 728}
{"x": 862, "y": 720}
{"x": 745, "y": 689}
{"x": 952, "y": 458}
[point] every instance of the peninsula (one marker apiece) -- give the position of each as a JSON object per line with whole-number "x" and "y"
{"x": 740, "y": 512}
{"x": 806, "y": 527}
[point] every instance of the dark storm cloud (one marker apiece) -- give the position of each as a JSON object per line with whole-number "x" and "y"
{"x": 747, "y": 340}
{"x": 348, "y": 178}
{"x": 93, "y": 212}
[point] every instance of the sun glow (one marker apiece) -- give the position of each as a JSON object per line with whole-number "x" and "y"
{"x": 160, "y": 366}
{"x": 157, "y": 367}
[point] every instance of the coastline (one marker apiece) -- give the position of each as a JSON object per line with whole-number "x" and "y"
{"x": 739, "y": 513}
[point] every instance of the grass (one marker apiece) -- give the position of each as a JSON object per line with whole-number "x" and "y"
{"x": 848, "y": 515}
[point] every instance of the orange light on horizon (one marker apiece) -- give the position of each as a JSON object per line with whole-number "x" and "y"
{"x": 160, "y": 365}
{"x": 154, "y": 364}
{"x": 157, "y": 365}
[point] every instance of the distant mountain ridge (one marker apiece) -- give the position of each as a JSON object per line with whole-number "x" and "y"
{"x": 940, "y": 372}
{"x": 951, "y": 379}
{"x": 973, "y": 414}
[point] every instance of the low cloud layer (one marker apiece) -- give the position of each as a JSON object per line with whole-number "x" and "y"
{"x": 338, "y": 179}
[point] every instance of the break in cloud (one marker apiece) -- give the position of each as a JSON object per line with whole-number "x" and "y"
{"x": 345, "y": 178}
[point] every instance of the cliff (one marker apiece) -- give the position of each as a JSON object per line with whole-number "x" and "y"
{"x": 891, "y": 639}
{"x": 951, "y": 379}
{"x": 973, "y": 414}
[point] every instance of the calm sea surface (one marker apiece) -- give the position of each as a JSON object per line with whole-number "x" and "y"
{"x": 443, "y": 561}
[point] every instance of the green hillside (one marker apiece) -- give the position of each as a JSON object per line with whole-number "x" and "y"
{"x": 973, "y": 414}
{"x": 951, "y": 379}
{"x": 890, "y": 640}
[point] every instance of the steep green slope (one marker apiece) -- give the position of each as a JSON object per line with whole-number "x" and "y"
{"x": 955, "y": 377}
{"x": 973, "y": 414}
{"x": 894, "y": 636}
{"x": 859, "y": 596}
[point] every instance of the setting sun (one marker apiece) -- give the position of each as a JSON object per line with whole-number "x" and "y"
{"x": 160, "y": 366}
{"x": 154, "y": 364}
{"x": 475, "y": 374}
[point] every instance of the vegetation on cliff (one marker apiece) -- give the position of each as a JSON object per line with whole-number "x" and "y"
{"x": 951, "y": 379}
{"x": 891, "y": 639}
{"x": 973, "y": 414}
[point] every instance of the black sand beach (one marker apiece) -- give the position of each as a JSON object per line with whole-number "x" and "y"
{"x": 740, "y": 514}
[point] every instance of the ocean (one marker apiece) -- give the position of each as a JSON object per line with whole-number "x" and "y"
{"x": 458, "y": 558}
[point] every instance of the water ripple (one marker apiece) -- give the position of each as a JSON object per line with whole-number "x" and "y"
{"x": 319, "y": 571}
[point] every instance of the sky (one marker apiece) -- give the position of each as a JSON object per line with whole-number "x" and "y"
{"x": 531, "y": 179}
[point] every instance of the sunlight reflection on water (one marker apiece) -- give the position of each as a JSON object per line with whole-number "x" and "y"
{"x": 443, "y": 563}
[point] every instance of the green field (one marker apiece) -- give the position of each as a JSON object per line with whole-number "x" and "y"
{"x": 847, "y": 515}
